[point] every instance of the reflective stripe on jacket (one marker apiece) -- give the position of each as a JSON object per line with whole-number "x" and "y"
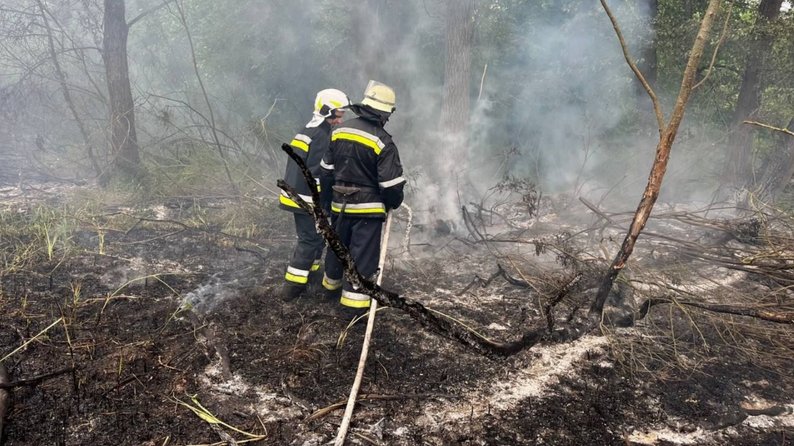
{"x": 311, "y": 145}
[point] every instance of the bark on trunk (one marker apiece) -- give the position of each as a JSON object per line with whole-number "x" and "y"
{"x": 659, "y": 168}
{"x": 124, "y": 142}
{"x": 454, "y": 120}
{"x": 457, "y": 67}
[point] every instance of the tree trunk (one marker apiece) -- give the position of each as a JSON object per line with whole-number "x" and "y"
{"x": 457, "y": 68}
{"x": 738, "y": 168}
{"x": 660, "y": 163}
{"x": 124, "y": 142}
{"x": 455, "y": 106}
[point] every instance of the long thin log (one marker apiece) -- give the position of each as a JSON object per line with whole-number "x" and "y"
{"x": 387, "y": 298}
{"x": 770, "y": 315}
{"x": 5, "y": 384}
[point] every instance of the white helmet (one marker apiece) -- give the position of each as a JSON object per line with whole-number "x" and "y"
{"x": 325, "y": 103}
{"x": 329, "y": 100}
{"x": 379, "y": 96}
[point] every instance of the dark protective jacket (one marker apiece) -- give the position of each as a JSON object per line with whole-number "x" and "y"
{"x": 311, "y": 144}
{"x": 363, "y": 155}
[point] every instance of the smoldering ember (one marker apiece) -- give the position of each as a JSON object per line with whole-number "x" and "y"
{"x": 425, "y": 222}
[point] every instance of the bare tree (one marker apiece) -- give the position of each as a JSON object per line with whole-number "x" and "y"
{"x": 667, "y": 134}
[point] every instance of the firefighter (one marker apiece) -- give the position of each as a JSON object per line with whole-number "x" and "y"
{"x": 311, "y": 144}
{"x": 368, "y": 182}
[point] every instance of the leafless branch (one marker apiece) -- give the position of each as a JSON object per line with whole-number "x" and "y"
{"x": 723, "y": 35}
{"x": 767, "y": 126}
{"x": 657, "y": 108}
{"x": 147, "y": 12}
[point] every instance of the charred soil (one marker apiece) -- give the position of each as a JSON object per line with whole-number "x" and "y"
{"x": 169, "y": 316}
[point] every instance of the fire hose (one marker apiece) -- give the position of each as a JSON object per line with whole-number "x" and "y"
{"x": 362, "y": 360}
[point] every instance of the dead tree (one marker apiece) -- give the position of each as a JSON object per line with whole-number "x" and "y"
{"x": 667, "y": 134}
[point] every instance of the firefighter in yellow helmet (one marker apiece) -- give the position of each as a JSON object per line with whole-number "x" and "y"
{"x": 368, "y": 180}
{"x": 310, "y": 143}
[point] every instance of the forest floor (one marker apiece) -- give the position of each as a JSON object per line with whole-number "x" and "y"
{"x": 149, "y": 312}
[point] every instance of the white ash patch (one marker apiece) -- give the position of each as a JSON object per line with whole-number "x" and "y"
{"x": 160, "y": 212}
{"x": 269, "y": 405}
{"x": 213, "y": 378}
{"x": 495, "y": 326}
{"x": 209, "y": 295}
{"x": 698, "y": 436}
{"x": 770, "y": 421}
{"x": 553, "y": 361}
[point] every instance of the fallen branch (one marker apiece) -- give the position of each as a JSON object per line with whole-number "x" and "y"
{"x": 470, "y": 225}
{"x": 5, "y": 384}
{"x": 387, "y": 298}
{"x": 564, "y": 291}
{"x": 482, "y": 282}
{"x": 770, "y": 315}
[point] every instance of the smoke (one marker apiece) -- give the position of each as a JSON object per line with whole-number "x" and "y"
{"x": 553, "y": 106}
{"x": 554, "y": 89}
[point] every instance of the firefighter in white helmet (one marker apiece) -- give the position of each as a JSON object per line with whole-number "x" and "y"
{"x": 311, "y": 143}
{"x": 368, "y": 180}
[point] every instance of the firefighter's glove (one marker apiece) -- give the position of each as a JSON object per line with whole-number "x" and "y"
{"x": 392, "y": 198}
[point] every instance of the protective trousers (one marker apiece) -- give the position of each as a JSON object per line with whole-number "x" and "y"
{"x": 362, "y": 238}
{"x": 308, "y": 252}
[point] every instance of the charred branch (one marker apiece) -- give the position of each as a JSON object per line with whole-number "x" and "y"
{"x": 384, "y": 297}
{"x": 564, "y": 291}
{"x": 6, "y": 384}
{"x": 776, "y": 315}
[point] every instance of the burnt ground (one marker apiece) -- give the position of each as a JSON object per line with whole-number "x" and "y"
{"x": 172, "y": 311}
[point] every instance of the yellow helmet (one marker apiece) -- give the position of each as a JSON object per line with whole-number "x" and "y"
{"x": 379, "y": 96}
